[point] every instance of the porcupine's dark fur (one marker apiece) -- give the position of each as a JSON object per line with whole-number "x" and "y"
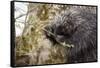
{"x": 77, "y": 26}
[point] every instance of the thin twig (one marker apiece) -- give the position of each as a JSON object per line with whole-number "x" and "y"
{"x": 57, "y": 40}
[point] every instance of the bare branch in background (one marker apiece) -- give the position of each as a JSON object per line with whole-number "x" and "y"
{"x": 19, "y": 9}
{"x": 20, "y": 16}
{"x": 26, "y": 20}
